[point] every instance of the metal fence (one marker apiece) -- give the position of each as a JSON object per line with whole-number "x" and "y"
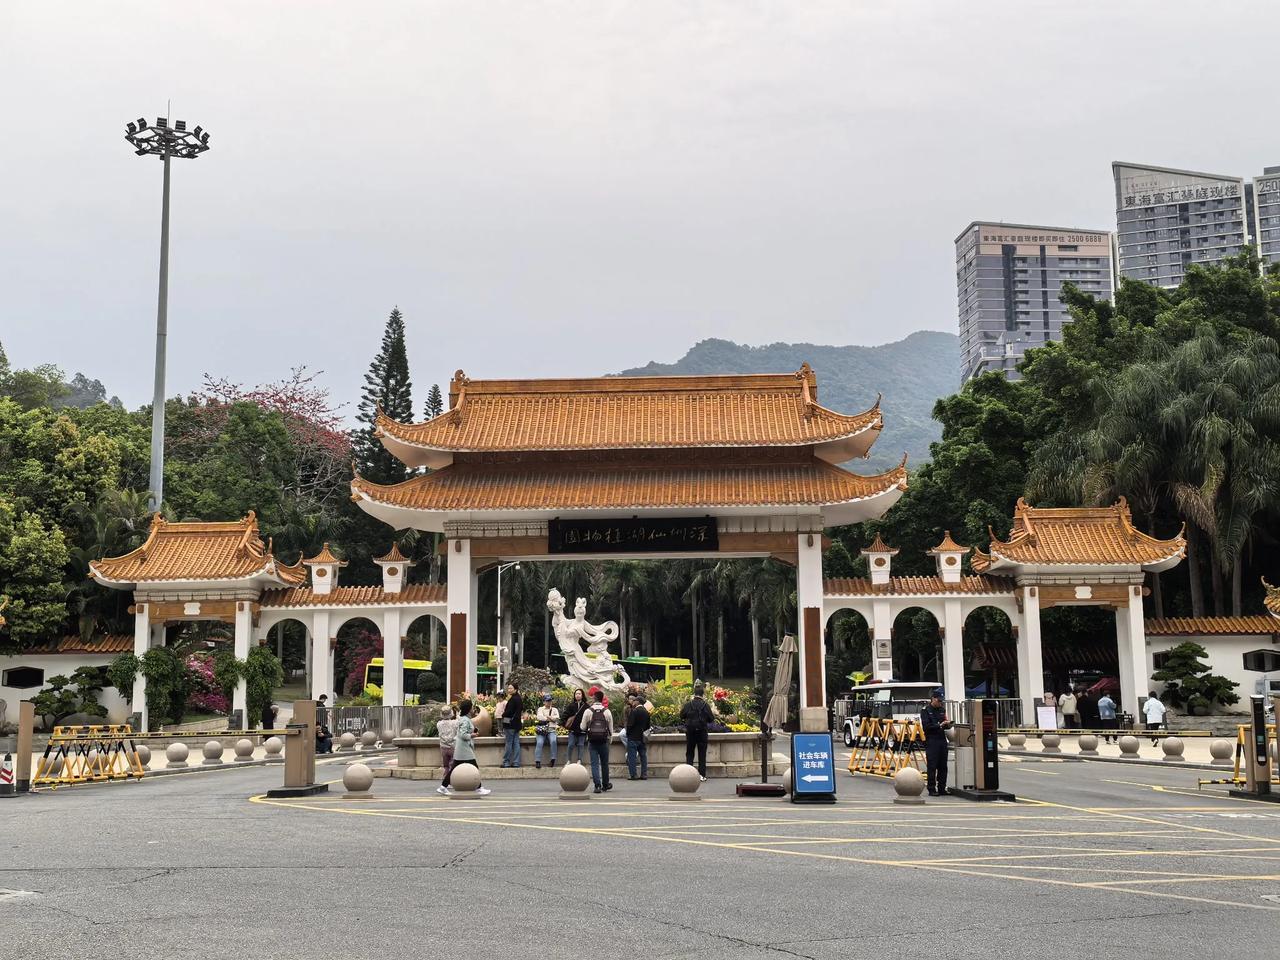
{"x": 389, "y": 720}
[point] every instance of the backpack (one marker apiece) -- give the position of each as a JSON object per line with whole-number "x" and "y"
{"x": 699, "y": 715}
{"x": 598, "y": 726}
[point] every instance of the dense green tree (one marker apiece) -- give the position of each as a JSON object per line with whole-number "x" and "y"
{"x": 386, "y": 387}
{"x": 435, "y": 402}
{"x": 33, "y": 556}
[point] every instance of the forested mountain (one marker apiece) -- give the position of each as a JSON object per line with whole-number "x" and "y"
{"x": 911, "y": 373}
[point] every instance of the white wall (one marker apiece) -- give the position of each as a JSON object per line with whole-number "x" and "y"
{"x": 55, "y": 664}
{"x": 1226, "y": 658}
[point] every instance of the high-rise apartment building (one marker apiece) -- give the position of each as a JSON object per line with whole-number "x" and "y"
{"x": 1166, "y": 220}
{"x": 1266, "y": 225}
{"x": 1008, "y": 280}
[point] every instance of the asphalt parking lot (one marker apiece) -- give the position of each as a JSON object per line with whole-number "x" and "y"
{"x": 1110, "y": 860}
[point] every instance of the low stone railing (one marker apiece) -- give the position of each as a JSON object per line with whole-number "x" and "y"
{"x": 728, "y": 755}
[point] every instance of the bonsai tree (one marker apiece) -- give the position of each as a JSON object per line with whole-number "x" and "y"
{"x": 65, "y": 696}
{"x": 1188, "y": 681}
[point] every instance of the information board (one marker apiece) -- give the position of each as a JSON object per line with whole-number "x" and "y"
{"x": 813, "y": 768}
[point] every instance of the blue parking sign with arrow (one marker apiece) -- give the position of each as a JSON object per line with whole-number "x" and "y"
{"x": 813, "y": 768}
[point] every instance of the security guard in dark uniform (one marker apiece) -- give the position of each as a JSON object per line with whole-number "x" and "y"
{"x": 933, "y": 719}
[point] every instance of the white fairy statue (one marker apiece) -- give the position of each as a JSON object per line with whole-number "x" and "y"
{"x": 599, "y": 669}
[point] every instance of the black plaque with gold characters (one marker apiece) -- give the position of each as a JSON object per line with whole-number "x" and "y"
{"x": 636, "y": 535}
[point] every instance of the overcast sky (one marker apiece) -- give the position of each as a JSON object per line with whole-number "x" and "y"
{"x": 555, "y": 188}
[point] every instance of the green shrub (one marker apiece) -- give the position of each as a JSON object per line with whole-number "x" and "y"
{"x": 1188, "y": 681}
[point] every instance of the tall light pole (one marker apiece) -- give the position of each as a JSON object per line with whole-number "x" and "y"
{"x": 161, "y": 140}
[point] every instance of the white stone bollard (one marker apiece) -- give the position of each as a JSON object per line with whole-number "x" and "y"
{"x": 273, "y": 746}
{"x": 786, "y": 781}
{"x": 244, "y": 750}
{"x": 357, "y": 778}
{"x": 176, "y": 756}
{"x": 212, "y": 751}
{"x": 1221, "y": 751}
{"x": 465, "y": 781}
{"x": 684, "y": 782}
{"x": 406, "y": 733}
{"x": 1172, "y": 748}
{"x": 908, "y": 784}
{"x": 1088, "y": 744}
{"x": 144, "y": 755}
{"x": 1129, "y": 747}
{"x": 368, "y": 739}
{"x": 347, "y": 742}
{"x": 1018, "y": 741}
{"x": 1051, "y": 743}
{"x": 574, "y": 780}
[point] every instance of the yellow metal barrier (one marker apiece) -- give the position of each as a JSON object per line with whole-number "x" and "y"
{"x": 89, "y": 754}
{"x": 885, "y": 746}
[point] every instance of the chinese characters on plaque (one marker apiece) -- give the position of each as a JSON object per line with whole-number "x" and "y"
{"x": 632, "y": 536}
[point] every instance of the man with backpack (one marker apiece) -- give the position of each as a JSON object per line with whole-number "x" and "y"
{"x": 598, "y": 726}
{"x": 696, "y": 716}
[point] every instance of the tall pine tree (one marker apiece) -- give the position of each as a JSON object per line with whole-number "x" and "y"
{"x": 435, "y": 402}
{"x": 386, "y": 385}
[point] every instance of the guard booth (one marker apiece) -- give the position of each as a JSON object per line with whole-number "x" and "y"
{"x": 976, "y": 763}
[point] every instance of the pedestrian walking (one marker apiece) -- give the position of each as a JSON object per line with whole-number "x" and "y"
{"x": 512, "y": 718}
{"x": 1107, "y": 717}
{"x": 597, "y": 724}
{"x": 933, "y": 719}
{"x": 546, "y": 730}
{"x": 269, "y": 713}
{"x": 1070, "y": 708}
{"x": 447, "y": 731}
{"x": 637, "y": 728}
{"x": 464, "y": 750}
{"x": 1154, "y": 711}
{"x": 696, "y": 716}
{"x": 572, "y": 722}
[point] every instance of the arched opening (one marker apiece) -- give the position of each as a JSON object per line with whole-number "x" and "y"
{"x": 990, "y": 654}
{"x": 359, "y": 641}
{"x": 848, "y": 658}
{"x": 422, "y": 643}
{"x": 917, "y": 646}
{"x": 288, "y": 640}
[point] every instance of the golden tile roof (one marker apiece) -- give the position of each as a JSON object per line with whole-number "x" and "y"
{"x": 913, "y": 586}
{"x": 107, "y": 643}
{"x": 197, "y": 551}
{"x": 1076, "y": 536}
{"x": 393, "y": 556}
{"x": 948, "y": 546}
{"x": 879, "y": 546}
{"x": 353, "y": 596}
{"x": 467, "y": 486}
{"x": 325, "y": 556}
{"x": 611, "y": 413}
{"x": 1272, "y": 600}
{"x": 1211, "y": 626}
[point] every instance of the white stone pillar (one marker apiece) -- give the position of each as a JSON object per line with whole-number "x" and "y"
{"x": 392, "y": 659}
{"x": 953, "y": 649}
{"x": 141, "y": 642}
{"x": 244, "y": 631}
{"x": 459, "y": 602}
{"x": 321, "y": 656}
{"x": 1135, "y": 681}
{"x": 812, "y": 646}
{"x": 1122, "y": 655}
{"x": 1030, "y": 655}
{"x": 881, "y": 640}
